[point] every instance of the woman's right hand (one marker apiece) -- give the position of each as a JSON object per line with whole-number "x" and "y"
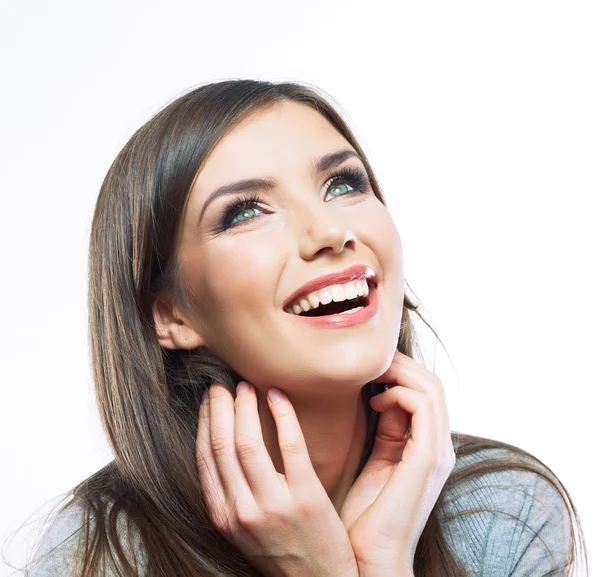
{"x": 283, "y": 524}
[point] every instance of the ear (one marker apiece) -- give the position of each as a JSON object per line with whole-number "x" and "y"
{"x": 172, "y": 328}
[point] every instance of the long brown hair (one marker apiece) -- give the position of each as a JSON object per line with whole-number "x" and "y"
{"x": 149, "y": 500}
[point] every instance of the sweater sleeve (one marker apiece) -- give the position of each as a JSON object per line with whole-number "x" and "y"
{"x": 509, "y": 523}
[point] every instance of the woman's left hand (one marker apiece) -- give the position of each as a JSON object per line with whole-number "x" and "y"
{"x": 388, "y": 505}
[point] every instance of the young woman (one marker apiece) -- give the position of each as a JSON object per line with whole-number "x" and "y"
{"x": 253, "y": 357}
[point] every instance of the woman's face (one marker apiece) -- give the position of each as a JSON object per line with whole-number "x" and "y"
{"x": 240, "y": 267}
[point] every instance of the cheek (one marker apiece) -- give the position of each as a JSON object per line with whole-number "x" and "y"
{"x": 394, "y": 250}
{"x": 237, "y": 274}
{"x": 386, "y": 244}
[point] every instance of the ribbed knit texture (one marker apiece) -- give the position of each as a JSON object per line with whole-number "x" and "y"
{"x": 525, "y": 530}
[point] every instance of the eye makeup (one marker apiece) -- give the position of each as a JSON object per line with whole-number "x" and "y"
{"x": 355, "y": 177}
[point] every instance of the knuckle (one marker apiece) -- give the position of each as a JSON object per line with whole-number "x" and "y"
{"x": 385, "y": 436}
{"x": 250, "y": 518}
{"x": 292, "y": 448}
{"x": 247, "y": 448}
{"x": 283, "y": 410}
{"x": 219, "y": 446}
{"x": 279, "y": 513}
{"x": 202, "y": 463}
{"x": 307, "y": 508}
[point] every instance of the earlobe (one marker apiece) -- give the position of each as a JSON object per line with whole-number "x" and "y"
{"x": 172, "y": 329}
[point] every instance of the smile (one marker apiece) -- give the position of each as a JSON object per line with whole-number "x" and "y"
{"x": 343, "y": 313}
{"x": 332, "y": 299}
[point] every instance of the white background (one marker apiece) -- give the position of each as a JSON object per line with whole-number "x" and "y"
{"x": 482, "y": 123}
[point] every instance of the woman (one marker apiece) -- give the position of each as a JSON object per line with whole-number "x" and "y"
{"x": 253, "y": 358}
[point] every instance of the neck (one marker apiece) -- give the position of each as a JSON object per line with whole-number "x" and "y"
{"x": 334, "y": 429}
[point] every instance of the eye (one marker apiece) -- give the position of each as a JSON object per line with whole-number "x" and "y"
{"x": 348, "y": 176}
{"x": 247, "y": 205}
{"x": 248, "y": 208}
{"x": 234, "y": 208}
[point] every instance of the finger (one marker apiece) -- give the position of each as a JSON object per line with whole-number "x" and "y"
{"x": 222, "y": 424}
{"x": 391, "y": 435}
{"x": 429, "y": 424}
{"x": 207, "y": 469}
{"x": 421, "y": 408}
{"x": 427, "y": 451}
{"x": 299, "y": 472}
{"x": 407, "y": 372}
{"x": 252, "y": 453}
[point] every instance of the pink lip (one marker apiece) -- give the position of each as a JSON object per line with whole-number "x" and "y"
{"x": 347, "y": 320}
{"x": 354, "y": 272}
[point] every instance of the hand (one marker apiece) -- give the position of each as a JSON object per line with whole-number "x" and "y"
{"x": 283, "y": 524}
{"x": 388, "y": 505}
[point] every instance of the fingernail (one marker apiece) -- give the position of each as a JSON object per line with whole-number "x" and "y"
{"x": 243, "y": 387}
{"x": 275, "y": 395}
{"x": 205, "y": 396}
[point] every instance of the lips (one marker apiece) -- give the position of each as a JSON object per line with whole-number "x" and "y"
{"x": 351, "y": 273}
{"x": 342, "y": 321}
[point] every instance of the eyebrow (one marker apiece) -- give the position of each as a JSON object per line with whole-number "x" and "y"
{"x": 318, "y": 166}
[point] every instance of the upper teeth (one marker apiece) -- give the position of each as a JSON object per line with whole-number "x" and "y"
{"x": 335, "y": 292}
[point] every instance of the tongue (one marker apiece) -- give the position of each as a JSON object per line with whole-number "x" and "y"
{"x": 334, "y": 308}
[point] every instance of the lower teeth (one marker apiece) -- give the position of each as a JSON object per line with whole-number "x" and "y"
{"x": 351, "y": 311}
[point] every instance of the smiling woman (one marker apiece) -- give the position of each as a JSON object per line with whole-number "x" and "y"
{"x": 253, "y": 353}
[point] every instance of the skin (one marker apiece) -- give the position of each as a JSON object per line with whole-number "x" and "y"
{"x": 238, "y": 280}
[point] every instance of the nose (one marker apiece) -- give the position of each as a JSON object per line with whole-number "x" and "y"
{"x": 325, "y": 232}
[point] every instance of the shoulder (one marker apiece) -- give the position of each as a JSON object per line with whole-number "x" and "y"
{"x": 503, "y": 520}
{"x": 66, "y": 533}
{"x": 56, "y": 552}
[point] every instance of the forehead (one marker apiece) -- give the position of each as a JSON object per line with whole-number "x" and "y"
{"x": 282, "y": 138}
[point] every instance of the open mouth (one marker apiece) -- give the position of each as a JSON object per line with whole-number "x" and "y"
{"x": 334, "y": 308}
{"x": 346, "y": 307}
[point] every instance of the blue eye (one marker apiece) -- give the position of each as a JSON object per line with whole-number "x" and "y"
{"x": 234, "y": 208}
{"x": 246, "y": 205}
{"x": 341, "y": 185}
{"x": 247, "y": 208}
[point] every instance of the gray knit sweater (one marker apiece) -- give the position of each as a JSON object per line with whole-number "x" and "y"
{"x": 524, "y": 530}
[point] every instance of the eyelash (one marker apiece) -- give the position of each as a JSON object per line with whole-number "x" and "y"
{"x": 353, "y": 176}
